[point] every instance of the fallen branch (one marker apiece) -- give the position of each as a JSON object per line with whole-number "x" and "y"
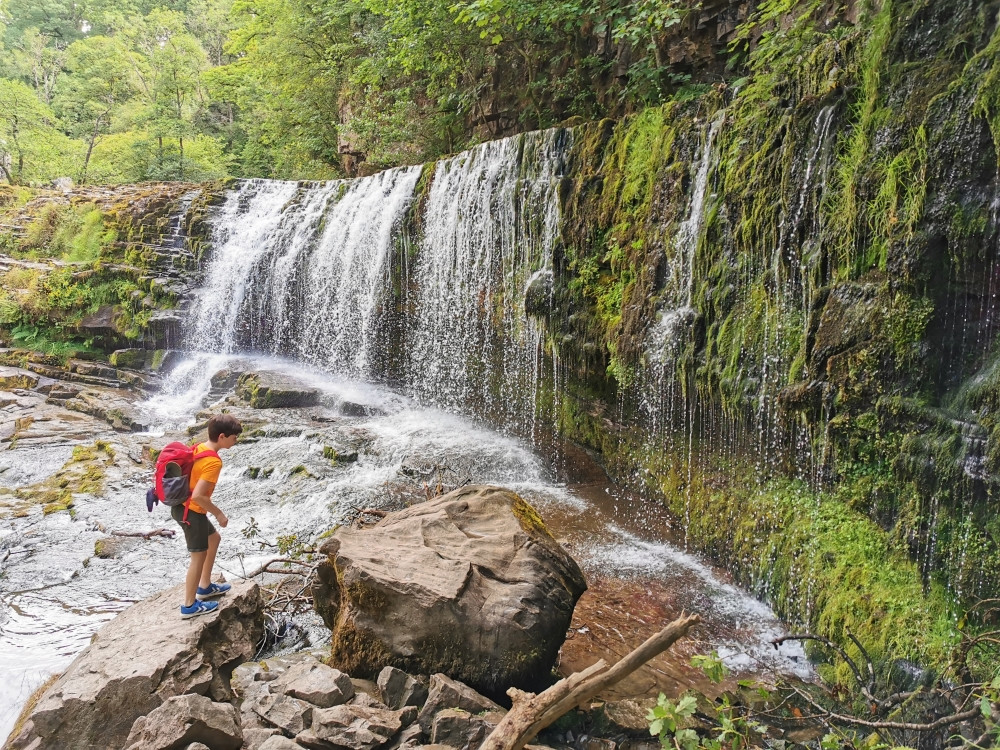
{"x": 531, "y": 713}
{"x": 265, "y": 568}
{"x": 945, "y": 721}
{"x": 168, "y": 533}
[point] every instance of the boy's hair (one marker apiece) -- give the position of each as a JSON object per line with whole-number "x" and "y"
{"x": 223, "y": 424}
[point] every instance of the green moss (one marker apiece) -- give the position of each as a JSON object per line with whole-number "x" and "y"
{"x": 529, "y": 519}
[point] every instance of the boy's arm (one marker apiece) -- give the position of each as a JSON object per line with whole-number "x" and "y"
{"x": 203, "y": 497}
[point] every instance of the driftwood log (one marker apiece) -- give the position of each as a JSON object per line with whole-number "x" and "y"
{"x": 531, "y": 713}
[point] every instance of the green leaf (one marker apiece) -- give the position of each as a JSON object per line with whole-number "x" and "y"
{"x": 686, "y": 739}
{"x": 985, "y": 707}
{"x": 686, "y": 706}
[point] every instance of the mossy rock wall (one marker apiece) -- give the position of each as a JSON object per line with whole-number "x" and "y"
{"x": 823, "y": 324}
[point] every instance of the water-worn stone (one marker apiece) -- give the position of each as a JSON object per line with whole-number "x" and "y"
{"x": 418, "y": 590}
{"x": 197, "y": 746}
{"x": 351, "y": 728}
{"x": 289, "y": 714}
{"x": 184, "y": 719}
{"x": 457, "y": 728}
{"x": 316, "y": 683}
{"x": 399, "y": 689}
{"x": 269, "y": 390}
{"x": 447, "y": 693}
{"x": 140, "y": 659}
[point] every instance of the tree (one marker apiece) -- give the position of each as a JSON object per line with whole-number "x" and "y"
{"x": 98, "y": 83}
{"x": 36, "y": 61}
{"x": 168, "y": 63}
{"x": 29, "y": 145}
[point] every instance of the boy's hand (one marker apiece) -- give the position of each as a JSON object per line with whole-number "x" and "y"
{"x": 222, "y": 519}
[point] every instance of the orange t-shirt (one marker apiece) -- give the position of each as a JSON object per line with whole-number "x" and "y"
{"x": 207, "y": 468}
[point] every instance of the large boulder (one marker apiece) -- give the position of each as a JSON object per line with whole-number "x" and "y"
{"x": 471, "y": 585}
{"x": 139, "y": 660}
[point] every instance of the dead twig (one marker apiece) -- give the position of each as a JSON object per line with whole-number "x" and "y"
{"x": 266, "y": 567}
{"x": 147, "y": 535}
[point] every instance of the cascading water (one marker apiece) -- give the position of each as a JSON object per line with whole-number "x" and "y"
{"x": 489, "y": 228}
{"x": 309, "y": 271}
{"x": 304, "y": 270}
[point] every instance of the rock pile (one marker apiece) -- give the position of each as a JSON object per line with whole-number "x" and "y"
{"x": 299, "y": 702}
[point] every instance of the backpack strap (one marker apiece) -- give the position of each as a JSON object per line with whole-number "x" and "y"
{"x": 195, "y": 457}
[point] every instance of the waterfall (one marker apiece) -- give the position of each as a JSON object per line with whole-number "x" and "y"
{"x": 446, "y": 305}
{"x": 302, "y": 270}
{"x": 490, "y": 226}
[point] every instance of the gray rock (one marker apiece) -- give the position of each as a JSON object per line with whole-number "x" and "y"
{"x": 278, "y": 742}
{"x": 254, "y": 738}
{"x": 418, "y": 589}
{"x": 399, "y": 689}
{"x": 140, "y": 659}
{"x": 271, "y": 390}
{"x": 316, "y": 683}
{"x": 351, "y": 728}
{"x": 184, "y": 719}
{"x": 457, "y": 728}
{"x": 290, "y": 715}
{"x": 165, "y": 329}
{"x": 446, "y": 693}
{"x": 197, "y": 746}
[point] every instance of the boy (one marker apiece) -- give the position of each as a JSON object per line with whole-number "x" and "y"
{"x": 201, "y": 537}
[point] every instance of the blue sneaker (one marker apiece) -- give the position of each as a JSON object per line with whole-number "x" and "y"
{"x": 213, "y": 590}
{"x": 198, "y": 608}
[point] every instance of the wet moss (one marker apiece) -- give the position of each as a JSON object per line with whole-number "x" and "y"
{"x": 529, "y": 519}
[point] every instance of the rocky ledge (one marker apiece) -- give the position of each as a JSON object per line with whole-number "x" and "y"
{"x": 475, "y": 569}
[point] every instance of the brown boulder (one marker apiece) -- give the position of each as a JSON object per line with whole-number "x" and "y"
{"x": 471, "y": 585}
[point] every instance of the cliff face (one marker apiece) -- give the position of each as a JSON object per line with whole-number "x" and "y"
{"x": 794, "y": 282}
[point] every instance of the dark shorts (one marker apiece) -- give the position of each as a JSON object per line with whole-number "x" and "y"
{"x": 196, "y": 531}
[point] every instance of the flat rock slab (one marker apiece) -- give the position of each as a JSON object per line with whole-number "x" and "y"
{"x": 470, "y": 584}
{"x": 272, "y": 390}
{"x": 15, "y": 377}
{"x": 140, "y": 659}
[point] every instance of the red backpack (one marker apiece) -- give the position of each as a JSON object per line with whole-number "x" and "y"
{"x": 172, "y": 478}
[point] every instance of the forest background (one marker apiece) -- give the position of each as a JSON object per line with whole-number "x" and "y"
{"x": 122, "y": 91}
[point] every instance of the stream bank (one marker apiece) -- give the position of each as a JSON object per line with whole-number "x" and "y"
{"x": 299, "y": 471}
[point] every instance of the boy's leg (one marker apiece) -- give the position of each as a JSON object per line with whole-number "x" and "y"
{"x": 205, "y": 575}
{"x": 193, "y": 576}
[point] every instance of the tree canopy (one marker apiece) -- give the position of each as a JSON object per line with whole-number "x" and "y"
{"x": 196, "y": 89}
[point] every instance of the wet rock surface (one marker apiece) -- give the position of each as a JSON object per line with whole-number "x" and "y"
{"x": 419, "y": 589}
{"x": 138, "y": 661}
{"x": 68, "y": 564}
